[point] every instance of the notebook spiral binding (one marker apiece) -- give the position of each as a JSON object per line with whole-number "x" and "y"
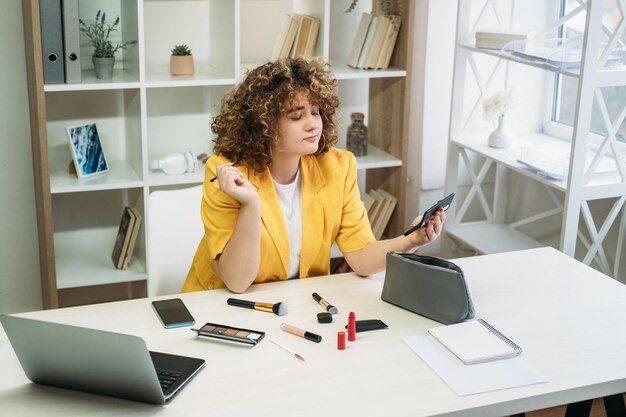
{"x": 518, "y": 350}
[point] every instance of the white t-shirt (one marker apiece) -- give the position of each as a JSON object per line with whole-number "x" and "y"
{"x": 290, "y": 199}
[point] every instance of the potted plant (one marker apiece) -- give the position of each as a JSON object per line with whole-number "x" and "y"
{"x": 495, "y": 108}
{"x": 99, "y": 32}
{"x": 386, "y": 7}
{"x": 181, "y": 60}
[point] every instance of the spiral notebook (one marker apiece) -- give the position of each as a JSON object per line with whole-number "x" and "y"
{"x": 475, "y": 341}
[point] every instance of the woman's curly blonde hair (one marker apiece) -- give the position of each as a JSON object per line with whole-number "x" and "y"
{"x": 247, "y": 125}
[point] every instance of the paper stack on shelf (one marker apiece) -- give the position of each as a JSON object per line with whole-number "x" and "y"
{"x": 553, "y": 163}
{"x": 559, "y": 53}
{"x": 556, "y": 53}
{"x": 496, "y": 39}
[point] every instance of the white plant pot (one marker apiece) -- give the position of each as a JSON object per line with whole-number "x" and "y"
{"x": 181, "y": 65}
{"x": 103, "y": 67}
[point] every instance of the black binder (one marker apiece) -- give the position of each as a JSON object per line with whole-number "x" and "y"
{"x": 52, "y": 41}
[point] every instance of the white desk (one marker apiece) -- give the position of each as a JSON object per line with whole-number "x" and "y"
{"x": 569, "y": 319}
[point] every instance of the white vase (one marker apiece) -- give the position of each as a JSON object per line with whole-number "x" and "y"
{"x": 499, "y": 138}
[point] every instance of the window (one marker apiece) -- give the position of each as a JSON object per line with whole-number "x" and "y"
{"x": 614, "y": 98}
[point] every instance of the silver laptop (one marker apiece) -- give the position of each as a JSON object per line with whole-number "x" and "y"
{"x": 96, "y": 361}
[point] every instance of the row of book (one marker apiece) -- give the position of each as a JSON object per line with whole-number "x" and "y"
{"x": 126, "y": 238}
{"x": 379, "y": 205}
{"x": 374, "y": 42}
{"x": 60, "y": 41}
{"x": 297, "y": 37}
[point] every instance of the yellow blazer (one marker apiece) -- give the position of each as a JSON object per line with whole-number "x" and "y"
{"x": 332, "y": 211}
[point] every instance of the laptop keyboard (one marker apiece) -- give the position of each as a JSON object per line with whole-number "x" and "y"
{"x": 167, "y": 378}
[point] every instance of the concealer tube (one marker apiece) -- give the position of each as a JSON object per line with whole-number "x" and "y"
{"x": 300, "y": 332}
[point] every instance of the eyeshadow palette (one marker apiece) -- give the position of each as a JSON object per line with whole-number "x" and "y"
{"x": 233, "y": 334}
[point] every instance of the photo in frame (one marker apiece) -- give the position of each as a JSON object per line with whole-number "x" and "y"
{"x": 87, "y": 150}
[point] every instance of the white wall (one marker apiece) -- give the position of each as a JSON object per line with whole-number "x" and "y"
{"x": 20, "y": 288}
{"x": 431, "y": 87}
{"x": 439, "y": 60}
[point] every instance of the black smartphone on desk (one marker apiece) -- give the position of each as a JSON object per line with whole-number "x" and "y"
{"x": 444, "y": 203}
{"x": 173, "y": 313}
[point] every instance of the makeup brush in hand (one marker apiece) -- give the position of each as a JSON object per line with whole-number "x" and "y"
{"x": 280, "y": 309}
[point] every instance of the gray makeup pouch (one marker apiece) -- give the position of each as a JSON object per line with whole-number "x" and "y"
{"x": 427, "y": 285}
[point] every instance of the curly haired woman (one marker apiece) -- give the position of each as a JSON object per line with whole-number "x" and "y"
{"x": 283, "y": 193}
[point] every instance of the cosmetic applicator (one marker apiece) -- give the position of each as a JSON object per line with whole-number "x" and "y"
{"x": 297, "y": 356}
{"x": 328, "y": 306}
{"x": 280, "y": 309}
{"x": 352, "y": 327}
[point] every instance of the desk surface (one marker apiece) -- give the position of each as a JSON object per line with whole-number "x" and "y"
{"x": 569, "y": 318}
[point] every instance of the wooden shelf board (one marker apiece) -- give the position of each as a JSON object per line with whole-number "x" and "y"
{"x": 377, "y": 158}
{"x": 159, "y": 77}
{"x": 611, "y": 76}
{"x": 121, "y": 80}
{"x": 120, "y": 176}
{"x": 492, "y": 238}
{"x": 344, "y": 72}
{"x": 499, "y": 54}
{"x": 507, "y": 157}
{"x": 83, "y": 258}
{"x": 158, "y": 178}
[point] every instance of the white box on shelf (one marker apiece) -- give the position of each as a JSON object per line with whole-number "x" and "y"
{"x": 496, "y": 39}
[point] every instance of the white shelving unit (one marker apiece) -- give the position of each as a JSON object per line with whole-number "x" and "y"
{"x": 144, "y": 113}
{"x": 487, "y": 216}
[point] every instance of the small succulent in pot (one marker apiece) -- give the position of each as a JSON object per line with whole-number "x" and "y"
{"x": 181, "y": 50}
{"x": 181, "y": 60}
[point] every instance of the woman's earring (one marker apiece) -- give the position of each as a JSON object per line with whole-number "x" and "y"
{"x": 323, "y": 145}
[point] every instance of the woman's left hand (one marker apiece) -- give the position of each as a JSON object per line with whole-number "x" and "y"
{"x": 430, "y": 232}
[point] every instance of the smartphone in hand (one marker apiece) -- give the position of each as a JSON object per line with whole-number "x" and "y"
{"x": 173, "y": 313}
{"x": 428, "y": 214}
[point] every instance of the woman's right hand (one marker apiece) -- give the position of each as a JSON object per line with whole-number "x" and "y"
{"x": 233, "y": 183}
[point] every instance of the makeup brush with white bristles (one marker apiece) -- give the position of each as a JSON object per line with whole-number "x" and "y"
{"x": 280, "y": 309}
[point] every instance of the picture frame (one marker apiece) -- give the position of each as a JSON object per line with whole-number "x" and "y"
{"x": 87, "y": 152}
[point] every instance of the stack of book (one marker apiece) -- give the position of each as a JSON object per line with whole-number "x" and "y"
{"x": 496, "y": 39}
{"x": 126, "y": 238}
{"x": 297, "y": 37}
{"x": 374, "y": 41}
{"x": 379, "y": 205}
